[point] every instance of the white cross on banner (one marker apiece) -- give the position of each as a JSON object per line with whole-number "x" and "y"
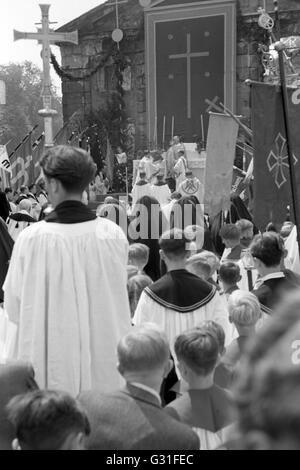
{"x": 4, "y": 159}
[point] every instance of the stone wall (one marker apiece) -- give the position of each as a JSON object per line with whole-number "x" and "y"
{"x": 93, "y": 93}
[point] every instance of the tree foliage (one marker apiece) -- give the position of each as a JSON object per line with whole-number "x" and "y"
{"x": 24, "y": 85}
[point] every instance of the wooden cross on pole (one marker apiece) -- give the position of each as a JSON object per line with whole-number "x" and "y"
{"x": 47, "y": 36}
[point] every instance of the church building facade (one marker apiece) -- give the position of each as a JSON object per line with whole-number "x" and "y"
{"x": 179, "y": 53}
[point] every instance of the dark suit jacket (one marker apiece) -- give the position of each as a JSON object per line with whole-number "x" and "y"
{"x": 132, "y": 419}
{"x": 16, "y": 378}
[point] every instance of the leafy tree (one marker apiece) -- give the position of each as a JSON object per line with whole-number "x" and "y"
{"x": 23, "y": 97}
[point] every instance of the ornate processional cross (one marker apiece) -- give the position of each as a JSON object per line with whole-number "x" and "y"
{"x": 47, "y": 36}
{"x": 189, "y": 56}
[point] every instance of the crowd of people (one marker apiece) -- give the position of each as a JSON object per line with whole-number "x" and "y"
{"x": 144, "y": 326}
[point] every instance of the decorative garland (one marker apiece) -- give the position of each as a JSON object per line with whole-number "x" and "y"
{"x": 62, "y": 73}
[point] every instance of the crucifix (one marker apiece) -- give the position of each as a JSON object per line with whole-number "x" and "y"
{"x": 47, "y": 36}
{"x": 189, "y": 55}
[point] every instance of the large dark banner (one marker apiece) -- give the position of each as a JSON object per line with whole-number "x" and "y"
{"x": 189, "y": 68}
{"x": 190, "y": 55}
{"x": 272, "y": 188}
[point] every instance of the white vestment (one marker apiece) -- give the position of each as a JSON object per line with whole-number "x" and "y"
{"x": 139, "y": 191}
{"x": 174, "y": 323}
{"x": 66, "y": 291}
{"x": 161, "y": 193}
{"x": 291, "y": 246}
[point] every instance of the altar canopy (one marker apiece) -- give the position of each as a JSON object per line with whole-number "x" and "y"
{"x": 190, "y": 55}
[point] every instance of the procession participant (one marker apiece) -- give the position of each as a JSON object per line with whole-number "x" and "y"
{"x": 59, "y": 289}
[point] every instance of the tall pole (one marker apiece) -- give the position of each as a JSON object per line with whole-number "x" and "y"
{"x": 285, "y": 102}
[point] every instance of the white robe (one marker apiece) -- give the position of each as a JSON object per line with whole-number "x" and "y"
{"x": 174, "y": 323}
{"x": 161, "y": 193}
{"x": 139, "y": 191}
{"x": 66, "y": 291}
{"x": 291, "y": 246}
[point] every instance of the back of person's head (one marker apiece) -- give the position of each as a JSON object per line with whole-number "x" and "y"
{"x": 230, "y": 273}
{"x": 175, "y": 195}
{"x": 189, "y": 173}
{"x": 199, "y": 266}
{"x": 244, "y": 224}
{"x": 198, "y": 349}
{"x": 230, "y": 232}
{"x": 138, "y": 255}
{"x": 205, "y": 259}
{"x": 23, "y": 189}
{"x": 266, "y": 392}
{"x": 48, "y": 420}
{"x": 135, "y": 286}
{"x": 286, "y": 229}
{"x": 142, "y": 175}
{"x": 25, "y": 205}
{"x": 174, "y": 244}
{"x": 244, "y": 308}
{"x": 143, "y": 350}
{"x": 8, "y": 191}
{"x": 268, "y": 248}
{"x": 271, "y": 227}
{"x": 72, "y": 166}
{"x": 218, "y": 330}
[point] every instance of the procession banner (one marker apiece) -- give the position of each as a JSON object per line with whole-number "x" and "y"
{"x": 4, "y": 159}
{"x": 22, "y": 165}
{"x": 272, "y": 188}
{"x": 221, "y": 142}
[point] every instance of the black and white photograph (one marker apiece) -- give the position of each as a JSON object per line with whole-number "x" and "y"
{"x": 149, "y": 221}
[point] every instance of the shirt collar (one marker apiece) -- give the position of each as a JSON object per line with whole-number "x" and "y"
{"x": 147, "y": 389}
{"x": 277, "y": 275}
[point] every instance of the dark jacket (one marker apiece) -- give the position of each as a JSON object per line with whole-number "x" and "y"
{"x": 271, "y": 292}
{"x": 133, "y": 419}
{"x": 4, "y": 206}
{"x": 16, "y": 378}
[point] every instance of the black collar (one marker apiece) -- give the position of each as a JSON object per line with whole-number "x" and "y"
{"x": 70, "y": 212}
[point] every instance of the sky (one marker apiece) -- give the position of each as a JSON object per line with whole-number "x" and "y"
{"x": 22, "y": 16}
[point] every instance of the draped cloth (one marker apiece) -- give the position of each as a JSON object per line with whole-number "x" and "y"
{"x": 66, "y": 291}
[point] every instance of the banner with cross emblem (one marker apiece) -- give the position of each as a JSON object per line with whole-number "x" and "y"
{"x": 272, "y": 189}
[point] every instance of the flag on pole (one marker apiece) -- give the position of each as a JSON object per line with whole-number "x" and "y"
{"x": 4, "y": 159}
{"x": 221, "y": 142}
{"x": 37, "y": 151}
{"x": 22, "y": 165}
{"x": 109, "y": 162}
{"x": 272, "y": 188}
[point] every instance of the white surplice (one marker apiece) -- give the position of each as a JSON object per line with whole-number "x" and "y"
{"x": 174, "y": 323}
{"x": 66, "y": 291}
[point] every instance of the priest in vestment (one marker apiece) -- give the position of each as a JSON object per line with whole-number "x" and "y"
{"x": 161, "y": 191}
{"x": 66, "y": 284}
{"x": 141, "y": 188}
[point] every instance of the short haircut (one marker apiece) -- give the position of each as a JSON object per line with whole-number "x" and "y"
{"x": 198, "y": 349}
{"x": 135, "y": 286}
{"x": 138, "y": 254}
{"x": 268, "y": 248}
{"x": 205, "y": 258}
{"x": 230, "y": 232}
{"x": 174, "y": 243}
{"x": 23, "y": 188}
{"x": 244, "y": 308}
{"x": 8, "y": 190}
{"x": 175, "y": 195}
{"x": 43, "y": 420}
{"x": 198, "y": 266}
{"x": 244, "y": 224}
{"x": 73, "y": 167}
{"x": 218, "y": 330}
{"x": 143, "y": 349}
{"x": 31, "y": 186}
{"x": 25, "y": 205}
{"x": 229, "y": 273}
{"x": 142, "y": 174}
